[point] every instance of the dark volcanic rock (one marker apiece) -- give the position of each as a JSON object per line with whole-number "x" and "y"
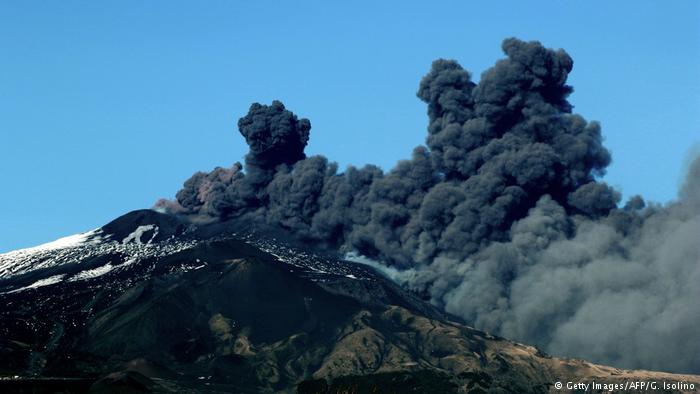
{"x": 149, "y": 304}
{"x": 123, "y": 382}
{"x": 155, "y": 227}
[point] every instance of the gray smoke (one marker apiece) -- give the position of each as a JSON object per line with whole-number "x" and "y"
{"x": 500, "y": 219}
{"x": 622, "y": 290}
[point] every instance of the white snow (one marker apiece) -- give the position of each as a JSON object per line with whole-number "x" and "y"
{"x": 61, "y": 243}
{"x": 92, "y": 273}
{"x": 22, "y": 260}
{"x": 138, "y": 233}
{"x": 42, "y": 282}
{"x": 129, "y": 262}
{"x": 79, "y": 248}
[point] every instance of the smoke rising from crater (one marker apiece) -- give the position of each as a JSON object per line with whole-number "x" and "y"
{"x": 500, "y": 218}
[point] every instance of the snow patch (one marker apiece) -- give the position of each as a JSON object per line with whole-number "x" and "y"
{"x": 129, "y": 262}
{"x": 40, "y": 283}
{"x": 61, "y": 243}
{"x": 138, "y": 233}
{"x": 92, "y": 273}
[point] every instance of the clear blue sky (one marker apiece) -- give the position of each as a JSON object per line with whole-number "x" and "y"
{"x": 107, "y": 106}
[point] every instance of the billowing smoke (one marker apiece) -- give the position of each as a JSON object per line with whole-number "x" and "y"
{"x": 500, "y": 219}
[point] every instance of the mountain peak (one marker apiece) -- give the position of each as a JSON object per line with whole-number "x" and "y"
{"x": 149, "y": 303}
{"x": 143, "y": 226}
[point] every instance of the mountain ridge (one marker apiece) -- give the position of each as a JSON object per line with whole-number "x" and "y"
{"x": 148, "y": 302}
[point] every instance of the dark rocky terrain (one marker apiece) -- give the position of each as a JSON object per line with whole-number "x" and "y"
{"x": 150, "y": 304}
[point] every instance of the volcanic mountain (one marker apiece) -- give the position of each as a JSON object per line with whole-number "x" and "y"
{"x": 148, "y": 303}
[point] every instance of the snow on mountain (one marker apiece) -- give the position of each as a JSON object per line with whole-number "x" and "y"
{"x": 21, "y": 260}
{"x": 92, "y": 254}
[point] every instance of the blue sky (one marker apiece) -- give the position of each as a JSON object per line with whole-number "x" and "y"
{"x": 107, "y": 106}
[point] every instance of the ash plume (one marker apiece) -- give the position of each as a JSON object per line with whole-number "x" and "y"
{"x": 500, "y": 218}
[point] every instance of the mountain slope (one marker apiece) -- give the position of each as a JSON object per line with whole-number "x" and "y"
{"x": 148, "y": 303}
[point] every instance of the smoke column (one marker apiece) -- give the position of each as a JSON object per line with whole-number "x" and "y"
{"x": 500, "y": 219}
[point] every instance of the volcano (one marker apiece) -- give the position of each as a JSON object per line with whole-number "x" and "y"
{"x": 149, "y": 303}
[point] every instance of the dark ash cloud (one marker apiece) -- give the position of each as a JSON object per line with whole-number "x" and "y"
{"x": 500, "y": 218}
